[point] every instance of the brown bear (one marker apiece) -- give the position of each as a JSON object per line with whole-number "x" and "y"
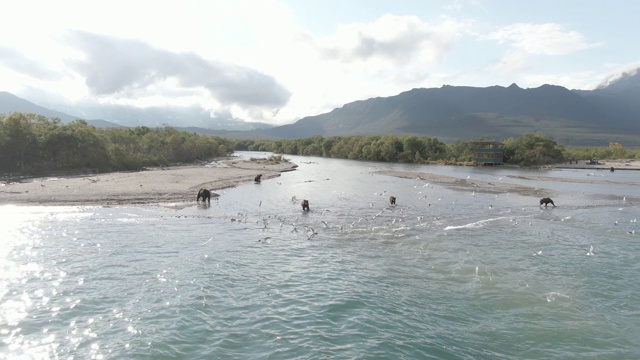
{"x": 547, "y": 201}
{"x": 205, "y": 195}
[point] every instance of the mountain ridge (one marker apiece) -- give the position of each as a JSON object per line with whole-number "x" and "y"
{"x": 609, "y": 113}
{"x": 452, "y": 113}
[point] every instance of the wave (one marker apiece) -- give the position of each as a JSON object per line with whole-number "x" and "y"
{"x": 476, "y": 224}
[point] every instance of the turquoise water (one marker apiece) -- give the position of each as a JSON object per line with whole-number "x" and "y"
{"x": 457, "y": 274}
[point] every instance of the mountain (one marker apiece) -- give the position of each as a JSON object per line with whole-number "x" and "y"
{"x": 10, "y": 103}
{"x": 449, "y": 113}
{"x": 610, "y": 113}
{"x": 199, "y": 119}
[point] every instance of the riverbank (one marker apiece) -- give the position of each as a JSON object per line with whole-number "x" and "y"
{"x": 175, "y": 184}
{"x": 620, "y": 164}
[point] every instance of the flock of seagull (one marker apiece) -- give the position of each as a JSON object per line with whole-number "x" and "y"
{"x": 311, "y": 226}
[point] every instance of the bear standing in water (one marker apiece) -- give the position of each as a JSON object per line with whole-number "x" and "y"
{"x": 392, "y": 200}
{"x": 547, "y": 201}
{"x": 205, "y": 195}
{"x": 305, "y": 205}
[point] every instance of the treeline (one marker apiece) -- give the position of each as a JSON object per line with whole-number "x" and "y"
{"x": 529, "y": 149}
{"x": 615, "y": 150}
{"x": 33, "y": 144}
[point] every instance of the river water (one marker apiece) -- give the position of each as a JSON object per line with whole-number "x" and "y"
{"x": 446, "y": 273}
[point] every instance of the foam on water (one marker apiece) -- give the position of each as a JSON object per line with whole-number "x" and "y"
{"x": 477, "y": 224}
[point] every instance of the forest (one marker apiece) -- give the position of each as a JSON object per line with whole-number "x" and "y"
{"x": 32, "y": 144}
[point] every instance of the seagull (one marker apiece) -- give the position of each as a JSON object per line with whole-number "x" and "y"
{"x": 324, "y": 211}
{"x": 590, "y": 250}
{"x": 539, "y": 252}
{"x": 311, "y": 232}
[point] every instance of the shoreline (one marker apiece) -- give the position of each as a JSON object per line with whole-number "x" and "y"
{"x": 178, "y": 185}
{"x": 606, "y": 165}
{"x": 173, "y": 184}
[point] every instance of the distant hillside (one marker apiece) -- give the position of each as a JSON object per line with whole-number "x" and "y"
{"x": 449, "y": 113}
{"x": 175, "y": 116}
{"x": 131, "y": 116}
{"x": 10, "y": 103}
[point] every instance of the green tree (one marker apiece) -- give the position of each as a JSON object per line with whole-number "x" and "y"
{"x": 19, "y": 148}
{"x": 532, "y": 149}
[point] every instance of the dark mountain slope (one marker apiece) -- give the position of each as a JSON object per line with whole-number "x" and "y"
{"x": 454, "y": 112}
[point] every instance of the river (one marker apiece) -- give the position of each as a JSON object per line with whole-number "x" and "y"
{"x": 446, "y": 273}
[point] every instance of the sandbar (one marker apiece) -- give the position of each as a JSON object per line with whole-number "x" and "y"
{"x": 594, "y": 177}
{"x": 173, "y": 184}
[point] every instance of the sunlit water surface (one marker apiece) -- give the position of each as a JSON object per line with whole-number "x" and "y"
{"x": 455, "y": 274}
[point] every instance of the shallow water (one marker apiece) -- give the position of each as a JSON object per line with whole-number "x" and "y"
{"x": 453, "y": 275}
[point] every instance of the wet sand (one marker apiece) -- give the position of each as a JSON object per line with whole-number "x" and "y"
{"x": 175, "y": 184}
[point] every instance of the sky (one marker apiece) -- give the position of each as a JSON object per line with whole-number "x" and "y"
{"x": 277, "y": 61}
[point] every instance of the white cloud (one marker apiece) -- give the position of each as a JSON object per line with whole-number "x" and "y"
{"x": 392, "y": 40}
{"x": 528, "y": 44}
{"x": 542, "y": 39}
